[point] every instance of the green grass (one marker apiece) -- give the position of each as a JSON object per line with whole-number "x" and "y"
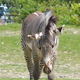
{"x": 12, "y": 27}
{"x": 11, "y": 51}
{"x": 69, "y": 43}
{"x": 69, "y": 26}
{"x": 70, "y": 47}
{"x": 17, "y": 27}
{"x": 69, "y": 53}
{"x": 73, "y": 26}
{"x": 11, "y": 46}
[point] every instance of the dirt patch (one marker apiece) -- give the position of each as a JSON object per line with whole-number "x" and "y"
{"x": 12, "y": 73}
{"x": 14, "y": 33}
{"x": 9, "y": 33}
{"x": 72, "y": 30}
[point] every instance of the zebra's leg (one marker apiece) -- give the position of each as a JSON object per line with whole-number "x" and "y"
{"x": 36, "y": 73}
{"x": 51, "y": 75}
{"x": 37, "y": 68}
{"x": 28, "y": 57}
{"x": 40, "y": 67}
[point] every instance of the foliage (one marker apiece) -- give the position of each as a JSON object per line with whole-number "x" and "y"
{"x": 68, "y": 11}
{"x": 28, "y": 7}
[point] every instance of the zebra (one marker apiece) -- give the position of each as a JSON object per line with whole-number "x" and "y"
{"x": 39, "y": 43}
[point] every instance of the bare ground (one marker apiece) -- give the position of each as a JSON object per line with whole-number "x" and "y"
{"x": 12, "y": 73}
{"x": 14, "y": 33}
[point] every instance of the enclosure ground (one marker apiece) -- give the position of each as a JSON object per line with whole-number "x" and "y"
{"x": 13, "y": 65}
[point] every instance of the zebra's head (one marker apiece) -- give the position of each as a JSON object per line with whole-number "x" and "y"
{"x": 48, "y": 44}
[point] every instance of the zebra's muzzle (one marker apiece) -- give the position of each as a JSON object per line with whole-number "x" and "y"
{"x": 46, "y": 70}
{"x": 47, "y": 66}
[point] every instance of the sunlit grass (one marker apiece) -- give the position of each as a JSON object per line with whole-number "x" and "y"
{"x": 12, "y": 27}
{"x": 10, "y": 48}
{"x": 12, "y": 55}
{"x": 70, "y": 48}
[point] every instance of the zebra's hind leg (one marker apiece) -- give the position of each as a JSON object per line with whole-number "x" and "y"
{"x": 28, "y": 57}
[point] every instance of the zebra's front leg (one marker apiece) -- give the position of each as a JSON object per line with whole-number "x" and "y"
{"x": 51, "y": 76}
{"x": 29, "y": 61}
{"x": 30, "y": 67}
{"x": 37, "y": 68}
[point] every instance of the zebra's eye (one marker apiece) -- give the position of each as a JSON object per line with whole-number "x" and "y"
{"x": 52, "y": 46}
{"x": 54, "y": 31}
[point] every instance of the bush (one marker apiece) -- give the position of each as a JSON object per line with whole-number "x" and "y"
{"x": 67, "y": 12}
{"x": 75, "y": 14}
{"x": 76, "y": 8}
{"x": 28, "y": 7}
{"x": 75, "y": 19}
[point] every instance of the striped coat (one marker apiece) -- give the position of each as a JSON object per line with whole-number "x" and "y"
{"x": 39, "y": 42}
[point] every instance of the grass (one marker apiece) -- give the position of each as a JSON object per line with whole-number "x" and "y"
{"x": 12, "y": 58}
{"x": 73, "y": 26}
{"x": 11, "y": 46}
{"x": 12, "y": 27}
{"x": 70, "y": 47}
{"x": 17, "y": 27}
{"x": 69, "y": 53}
{"x": 11, "y": 53}
{"x": 70, "y": 26}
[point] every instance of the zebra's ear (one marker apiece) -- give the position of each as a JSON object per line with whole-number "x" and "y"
{"x": 48, "y": 14}
{"x": 60, "y": 29}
